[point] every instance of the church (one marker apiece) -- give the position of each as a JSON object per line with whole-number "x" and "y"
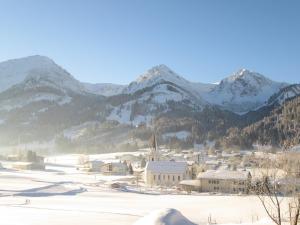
{"x": 164, "y": 173}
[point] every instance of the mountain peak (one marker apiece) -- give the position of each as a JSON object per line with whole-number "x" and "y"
{"x": 34, "y": 67}
{"x": 159, "y": 71}
{"x": 246, "y": 76}
{"x": 30, "y": 60}
{"x": 244, "y": 90}
{"x": 244, "y": 73}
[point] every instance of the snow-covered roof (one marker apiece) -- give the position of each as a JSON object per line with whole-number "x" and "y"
{"x": 224, "y": 174}
{"x": 166, "y": 167}
{"x": 212, "y": 162}
{"x": 195, "y": 183}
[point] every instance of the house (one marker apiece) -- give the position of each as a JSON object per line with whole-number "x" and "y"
{"x": 212, "y": 164}
{"x": 190, "y": 185}
{"x": 288, "y": 186}
{"x": 225, "y": 181}
{"x": 28, "y": 161}
{"x": 28, "y": 166}
{"x": 165, "y": 173}
{"x": 114, "y": 168}
{"x": 92, "y": 166}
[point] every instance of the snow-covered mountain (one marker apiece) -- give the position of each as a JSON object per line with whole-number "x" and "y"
{"x": 106, "y": 89}
{"x": 41, "y": 99}
{"x": 155, "y": 92}
{"x": 37, "y": 69}
{"x": 243, "y": 91}
{"x": 284, "y": 94}
{"x": 161, "y": 74}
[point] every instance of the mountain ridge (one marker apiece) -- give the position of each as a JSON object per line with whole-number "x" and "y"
{"x": 48, "y": 104}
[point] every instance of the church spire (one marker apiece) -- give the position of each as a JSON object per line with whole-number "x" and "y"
{"x": 154, "y": 151}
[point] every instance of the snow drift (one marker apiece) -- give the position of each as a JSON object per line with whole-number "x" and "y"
{"x": 164, "y": 217}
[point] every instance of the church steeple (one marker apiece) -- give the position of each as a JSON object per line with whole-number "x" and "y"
{"x": 154, "y": 151}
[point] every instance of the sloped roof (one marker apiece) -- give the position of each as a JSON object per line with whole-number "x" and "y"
{"x": 224, "y": 174}
{"x": 166, "y": 167}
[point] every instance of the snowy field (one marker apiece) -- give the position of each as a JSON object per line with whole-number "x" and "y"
{"x": 62, "y": 195}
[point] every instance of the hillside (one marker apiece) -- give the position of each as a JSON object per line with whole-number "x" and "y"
{"x": 281, "y": 128}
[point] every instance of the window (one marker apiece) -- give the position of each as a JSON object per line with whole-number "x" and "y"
{"x": 153, "y": 177}
{"x": 168, "y": 177}
{"x": 163, "y": 177}
{"x": 158, "y": 177}
{"x": 178, "y": 178}
{"x": 173, "y": 178}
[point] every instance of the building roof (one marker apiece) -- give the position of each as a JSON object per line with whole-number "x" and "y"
{"x": 170, "y": 167}
{"x": 224, "y": 174}
{"x": 195, "y": 183}
{"x": 23, "y": 163}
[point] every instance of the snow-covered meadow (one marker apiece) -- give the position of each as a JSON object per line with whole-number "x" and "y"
{"x": 63, "y": 195}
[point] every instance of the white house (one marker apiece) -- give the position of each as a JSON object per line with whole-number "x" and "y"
{"x": 166, "y": 173}
{"x": 225, "y": 181}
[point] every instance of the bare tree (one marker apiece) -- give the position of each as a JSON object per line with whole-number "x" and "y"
{"x": 279, "y": 182}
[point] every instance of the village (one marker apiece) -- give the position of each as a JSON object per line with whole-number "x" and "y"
{"x": 198, "y": 170}
{"x": 187, "y": 180}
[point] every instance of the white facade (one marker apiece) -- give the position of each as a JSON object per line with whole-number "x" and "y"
{"x": 165, "y": 173}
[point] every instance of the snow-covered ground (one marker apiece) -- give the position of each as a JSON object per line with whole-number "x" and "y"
{"x": 63, "y": 195}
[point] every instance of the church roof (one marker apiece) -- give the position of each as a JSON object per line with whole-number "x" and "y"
{"x": 168, "y": 167}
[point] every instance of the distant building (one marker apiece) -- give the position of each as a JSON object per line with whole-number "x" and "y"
{"x": 166, "y": 173}
{"x": 28, "y": 161}
{"x": 212, "y": 164}
{"x": 28, "y": 166}
{"x": 114, "y": 168}
{"x": 225, "y": 181}
{"x": 288, "y": 186}
{"x": 92, "y": 166}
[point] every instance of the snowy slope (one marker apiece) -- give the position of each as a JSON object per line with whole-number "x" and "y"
{"x": 36, "y": 68}
{"x": 243, "y": 91}
{"x": 284, "y": 94}
{"x": 164, "y": 217}
{"x": 105, "y": 89}
{"x": 155, "y": 92}
{"x": 162, "y": 73}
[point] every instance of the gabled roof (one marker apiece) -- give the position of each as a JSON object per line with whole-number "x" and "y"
{"x": 167, "y": 167}
{"x": 224, "y": 174}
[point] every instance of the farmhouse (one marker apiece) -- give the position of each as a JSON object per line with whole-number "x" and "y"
{"x": 165, "y": 173}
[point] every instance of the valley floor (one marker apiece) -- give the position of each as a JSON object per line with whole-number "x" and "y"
{"x": 62, "y": 195}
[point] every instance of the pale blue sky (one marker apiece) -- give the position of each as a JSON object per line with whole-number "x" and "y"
{"x": 116, "y": 40}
